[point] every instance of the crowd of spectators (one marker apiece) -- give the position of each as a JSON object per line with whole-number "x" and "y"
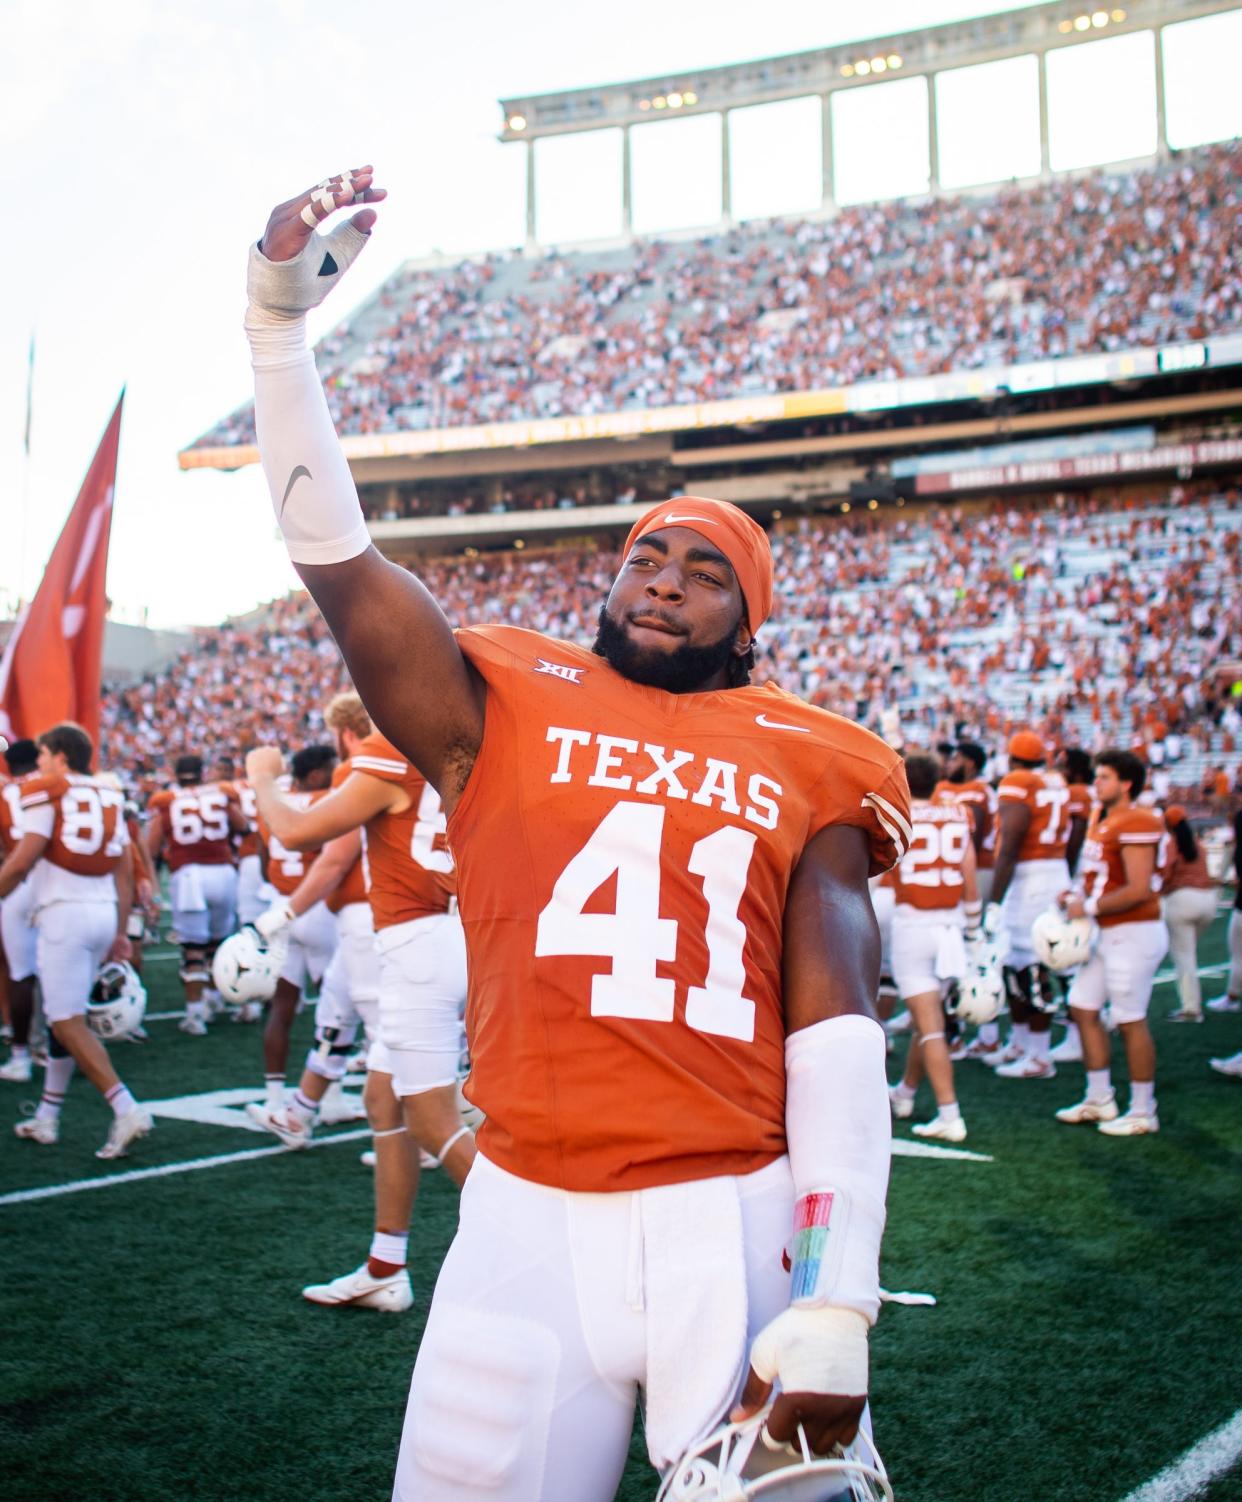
{"x": 1095, "y": 621}
{"x": 912, "y": 287}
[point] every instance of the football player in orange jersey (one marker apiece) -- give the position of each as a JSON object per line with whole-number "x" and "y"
{"x": 73, "y": 848}
{"x": 1076, "y": 767}
{"x": 673, "y": 959}
{"x": 937, "y": 901}
{"x": 310, "y": 935}
{"x": 1119, "y": 892}
{"x": 192, "y": 826}
{"x": 1030, "y": 872}
{"x": 17, "y": 932}
{"x": 420, "y": 986}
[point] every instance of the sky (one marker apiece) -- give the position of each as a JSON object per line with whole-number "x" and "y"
{"x": 143, "y": 144}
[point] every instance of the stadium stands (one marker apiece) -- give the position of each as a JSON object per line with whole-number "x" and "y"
{"x": 1098, "y": 620}
{"x": 1077, "y": 264}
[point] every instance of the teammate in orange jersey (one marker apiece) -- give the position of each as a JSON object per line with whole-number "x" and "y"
{"x": 17, "y": 932}
{"x": 192, "y": 827}
{"x": 310, "y": 936}
{"x": 73, "y": 849}
{"x": 1029, "y": 874}
{"x": 937, "y": 901}
{"x": 412, "y": 1063}
{"x": 1119, "y": 892}
{"x": 673, "y": 958}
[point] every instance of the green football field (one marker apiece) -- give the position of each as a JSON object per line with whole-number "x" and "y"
{"x": 154, "y": 1345}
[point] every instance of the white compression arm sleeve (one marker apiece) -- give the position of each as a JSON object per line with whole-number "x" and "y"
{"x": 839, "y": 1129}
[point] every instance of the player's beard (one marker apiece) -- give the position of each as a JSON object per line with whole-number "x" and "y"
{"x": 681, "y": 671}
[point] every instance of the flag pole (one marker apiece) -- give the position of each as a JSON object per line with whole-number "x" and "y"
{"x": 25, "y": 527}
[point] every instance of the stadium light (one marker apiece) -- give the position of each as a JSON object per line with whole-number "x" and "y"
{"x": 644, "y": 104}
{"x": 878, "y": 65}
{"x": 659, "y": 102}
{"x": 1099, "y": 18}
{"x": 872, "y": 504}
{"x": 1065, "y": 27}
{"x": 519, "y": 543}
{"x": 893, "y": 61}
{"x": 1119, "y": 15}
{"x": 674, "y": 101}
{"x": 689, "y": 97}
{"x": 862, "y": 68}
{"x": 845, "y": 508}
{"x": 517, "y": 122}
{"x": 1082, "y": 23}
{"x": 847, "y": 70}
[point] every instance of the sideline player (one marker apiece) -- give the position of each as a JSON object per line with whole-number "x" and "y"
{"x": 17, "y": 932}
{"x": 937, "y": 900}
{"x": 1119, "y": 892}
{"x": 964, "y": 781}
{"x": 73, "y": 848}
{"x": 673, "y": 958}
{"x": 310, "y": 935}
{"x": 1029, "y": 875}
{"x": 192, "y": 827}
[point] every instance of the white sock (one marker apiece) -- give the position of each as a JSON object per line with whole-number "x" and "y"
{"x": 1039, "y": 1045}
{"x": 302, "y": 1108}
{"x": 274, "y": 1084}
{"x": 1143, "y": 1097}
{"x": 907, "y": 1092}
{"x": 56, "y": 1077}
{"x": 121, "y": 1101}
{"x": 1099, "y": 1084}
{"x": 989, "y": 1033}
{"x": 1020, "y": 1036}
{"x": 18, "y": 1052}
{"x": 951, "y": 1112}
{"x": 385, "y": 1247}
{"x": 196, "y": 1009}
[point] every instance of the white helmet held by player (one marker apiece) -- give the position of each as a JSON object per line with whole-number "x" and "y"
{"x": 981, "y": 994}
{"x": 1060, "y": 942}
{"x": 738, "y": 1461}
{"x": 118, "y": 1001}
{"x": 247, "y": 966}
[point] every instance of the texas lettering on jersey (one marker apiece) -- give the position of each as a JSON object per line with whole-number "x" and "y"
{"x": 624, "y": 856}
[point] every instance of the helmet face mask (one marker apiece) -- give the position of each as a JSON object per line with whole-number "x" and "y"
{"x": 118, "y": 1001}
{"x": 981, "y": 995}
{"x": 1062, "y": 943}
{"x": 738, "y": 1462}
{"x": 246, "y": 967}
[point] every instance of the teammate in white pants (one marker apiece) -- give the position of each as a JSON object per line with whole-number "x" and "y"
{"x": 1188, "y": 906}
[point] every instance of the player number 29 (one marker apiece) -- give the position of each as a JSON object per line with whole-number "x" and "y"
{"x": 627, "y": 843}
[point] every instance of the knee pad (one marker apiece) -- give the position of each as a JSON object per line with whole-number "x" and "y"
{"x": 194, "y": 966}
{"x": 480, "y": 1404}
{"x": 1017, "y": 986}
{"x": 333, "y": 1045}
{"x": 1044, "y": 994}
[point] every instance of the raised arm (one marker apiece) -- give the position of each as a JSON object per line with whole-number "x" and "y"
{"x": 397, "y": 644}
{"x": 358, "y": 799}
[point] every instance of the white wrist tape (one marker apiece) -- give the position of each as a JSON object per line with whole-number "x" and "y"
{"x": 839, "y": 1129}
{"x": 814, "y": 1350}
{"x": 291, "y": 288}
{"x": 278, "y": 917}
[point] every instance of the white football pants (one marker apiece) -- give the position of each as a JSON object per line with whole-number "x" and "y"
{"x": 1033, "y": 888}
{"x": 1188, "y": 914}
{"x": 422, "y": 995}
{"x": 204, "y": 903}
{"x": 17, "y": 930}
{"x": 250, "y": 897}
{"x": 312, "y": 941}
{"x": 1121, "y": 970}
{"x": 73, "y": 938}
{"x": 553, "y": 1309}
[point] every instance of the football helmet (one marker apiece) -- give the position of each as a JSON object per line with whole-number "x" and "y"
{"x": 246, "y": 966}
{"x": 1060, "y": 942}
{"x": 739, "y": 1461}
{"x": 118, "y": 1001}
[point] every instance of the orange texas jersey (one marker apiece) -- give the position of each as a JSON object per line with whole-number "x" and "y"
{"x": 354, "y": 887}
{"x": 195, "y": 821}
{"x": 929, "y": 876}
{"x": 249, "y": 842}
{"x": 82, "y": 819}
{"x": 1047, "y": 795}
{"x": 624, "y": 856}
{"x": 980, "y": 799}
{"x": 409, "y": 866}
{"x": 286, "y": 868}
{"x": 1103, "y": 868}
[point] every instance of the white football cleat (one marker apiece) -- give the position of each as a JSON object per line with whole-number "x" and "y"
{"x": 1067, "y": 1051}
{"x": 393, "y": 1295}
{"x": 1132, "y": 1124}
{"x": 903, "y": 1105}
{"x": 1225, "y": 1003}
{"x": 124, "y": 1130}
{"x": 196, "y": 1027}
{"x": 1231, "y": 1066}
{"x": 1028, "y": 1067}
{"x": 983, "y": 1052}
{"x": 279, "y": 1122}
{"x": 17, "y": 1071}
{"x": 945, "y": 1131}
{"x": 41, "y": 1129}
{"x": 249, "y": 1011}
{"x": 1088, "y": 1110}
{"x": 1184, "y": 1014}
{"x": 337, "y": 1106}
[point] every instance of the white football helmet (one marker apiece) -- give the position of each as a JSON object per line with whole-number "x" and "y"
{"x": 1060, "y": 942}
{"x": 738, "y": 1461}
{"x": 118, "y": 1001}
{"x": 246, "y": 966}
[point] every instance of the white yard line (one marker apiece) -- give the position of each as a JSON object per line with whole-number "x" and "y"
{"x": 164, "y": 1170}
{"x": 1191, "y": 1475}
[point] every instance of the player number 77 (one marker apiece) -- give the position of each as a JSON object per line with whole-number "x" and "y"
{"x": 628, "y": 842}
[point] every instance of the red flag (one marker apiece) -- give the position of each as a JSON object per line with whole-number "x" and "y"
{"x": 50, "y": 671}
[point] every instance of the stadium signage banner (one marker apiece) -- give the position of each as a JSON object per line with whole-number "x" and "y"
{"x": 1082, "y": 467}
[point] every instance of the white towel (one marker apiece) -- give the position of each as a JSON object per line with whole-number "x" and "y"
{"x": 693, "y": 1285}
{"x": 950, "y": 954}
{"x": 187, "y": 891}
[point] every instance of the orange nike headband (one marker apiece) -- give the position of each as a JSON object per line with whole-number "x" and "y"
{"x": 743, "y": 542}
